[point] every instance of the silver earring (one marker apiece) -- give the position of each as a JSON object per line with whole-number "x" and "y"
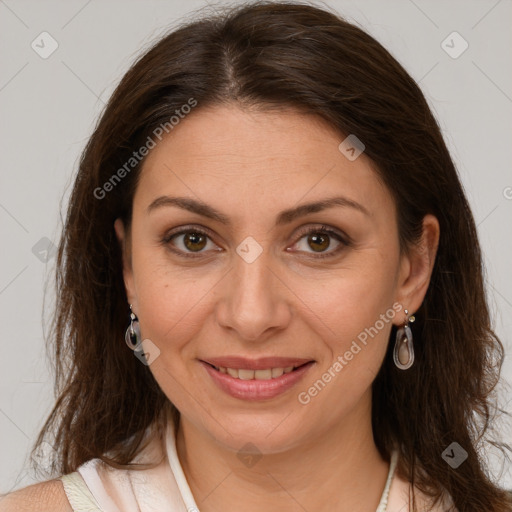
{"x": 132, "y": 335}
{"x": 403, "y": 353}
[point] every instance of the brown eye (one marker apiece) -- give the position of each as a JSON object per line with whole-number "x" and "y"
{"x": 194, "y": 241}
{"x": 189, "y": 242}
{"x": 319, "y": 242}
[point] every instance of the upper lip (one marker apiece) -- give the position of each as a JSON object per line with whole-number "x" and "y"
{"x": 237, "y": 362}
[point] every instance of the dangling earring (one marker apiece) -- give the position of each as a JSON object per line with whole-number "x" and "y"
{"x": 403, "y": 353}
{"x": 132, "y": 335}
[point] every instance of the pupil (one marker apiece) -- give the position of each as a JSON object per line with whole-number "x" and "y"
{"x": 318, "y": 239}
{"x": 192, "y": 239}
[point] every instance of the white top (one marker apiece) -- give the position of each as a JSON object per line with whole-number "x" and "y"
{"x": 96, "y": 487}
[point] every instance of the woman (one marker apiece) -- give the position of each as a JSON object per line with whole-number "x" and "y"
{"x": 270, "y": 286}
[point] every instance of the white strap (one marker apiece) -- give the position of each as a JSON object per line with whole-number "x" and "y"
{"x": 79, "y": 495}
{"x": 179, "y": 475}
{"x": 383, "y": 505}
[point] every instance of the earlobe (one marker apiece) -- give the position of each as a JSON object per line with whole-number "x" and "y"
{"x": 417, "y": 266}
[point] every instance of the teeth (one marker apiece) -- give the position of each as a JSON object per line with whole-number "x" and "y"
{"x": 244, "y": 374}
{"x": 277, "y": 372}
{"x": 233, "y": 373}
{"x": 263, "y": 374}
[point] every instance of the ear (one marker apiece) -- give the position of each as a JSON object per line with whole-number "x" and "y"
{"x": 123, "y": 236}
{"x": 416, "y": 267}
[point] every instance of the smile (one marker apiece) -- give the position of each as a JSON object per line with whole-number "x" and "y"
{"x": 246, "y": 374}
{"x": 256, "y": 384}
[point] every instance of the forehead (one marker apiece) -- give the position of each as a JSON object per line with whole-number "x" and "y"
{"x": 224, "y": 154}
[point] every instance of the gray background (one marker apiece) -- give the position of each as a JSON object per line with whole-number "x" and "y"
{"x": 49, "y": 106}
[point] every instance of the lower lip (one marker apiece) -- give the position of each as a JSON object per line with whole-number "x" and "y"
{"x": 256, "y": 389}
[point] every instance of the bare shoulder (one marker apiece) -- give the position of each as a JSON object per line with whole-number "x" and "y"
{"x": 43, "y": 496}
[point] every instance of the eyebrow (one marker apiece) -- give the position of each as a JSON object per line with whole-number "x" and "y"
{"x": 284, "y": 217}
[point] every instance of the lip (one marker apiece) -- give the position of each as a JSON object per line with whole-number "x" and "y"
{"x": 255, "y": 390}
{"x": 242, "y": 363}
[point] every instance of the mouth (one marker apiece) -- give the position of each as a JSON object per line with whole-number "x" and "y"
{"x": 261, "y": 374}
{"x": 255, "y": 384}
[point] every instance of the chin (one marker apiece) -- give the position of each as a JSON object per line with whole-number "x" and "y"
{"x": 264, "y": 435}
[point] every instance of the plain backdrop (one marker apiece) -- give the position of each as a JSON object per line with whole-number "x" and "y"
{"x": 49, "y": 105}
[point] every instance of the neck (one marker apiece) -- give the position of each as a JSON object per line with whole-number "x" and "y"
{"x": 340, "y": 471}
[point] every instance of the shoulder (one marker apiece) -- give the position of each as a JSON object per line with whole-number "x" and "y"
{"x": 48, "y": 495}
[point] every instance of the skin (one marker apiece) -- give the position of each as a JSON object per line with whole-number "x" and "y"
{"x": 250, "y": 166}
{"x": 42, "y": 496}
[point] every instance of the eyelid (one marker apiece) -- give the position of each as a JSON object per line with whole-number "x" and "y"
{"x": 186, "y": 229}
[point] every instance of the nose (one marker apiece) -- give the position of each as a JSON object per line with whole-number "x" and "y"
{"x": 254, "y": 301}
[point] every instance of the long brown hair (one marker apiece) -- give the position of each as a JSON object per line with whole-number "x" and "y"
{"x": 276, "y": 56}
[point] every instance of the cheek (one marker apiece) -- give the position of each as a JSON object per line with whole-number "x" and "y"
{"x": 353, "y": 318}
{"x": 172, "y": 307}
{"x": 343, "y": 303}
{"x": 171, "y": 300}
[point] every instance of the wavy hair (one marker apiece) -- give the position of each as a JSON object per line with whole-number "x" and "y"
{"x": 269, "y": 55}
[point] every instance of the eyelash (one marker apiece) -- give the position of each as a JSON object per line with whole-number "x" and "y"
{"x": 344, "y": 240}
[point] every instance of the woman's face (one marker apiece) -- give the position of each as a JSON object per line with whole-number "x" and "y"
{"x": 224, "y": 260}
